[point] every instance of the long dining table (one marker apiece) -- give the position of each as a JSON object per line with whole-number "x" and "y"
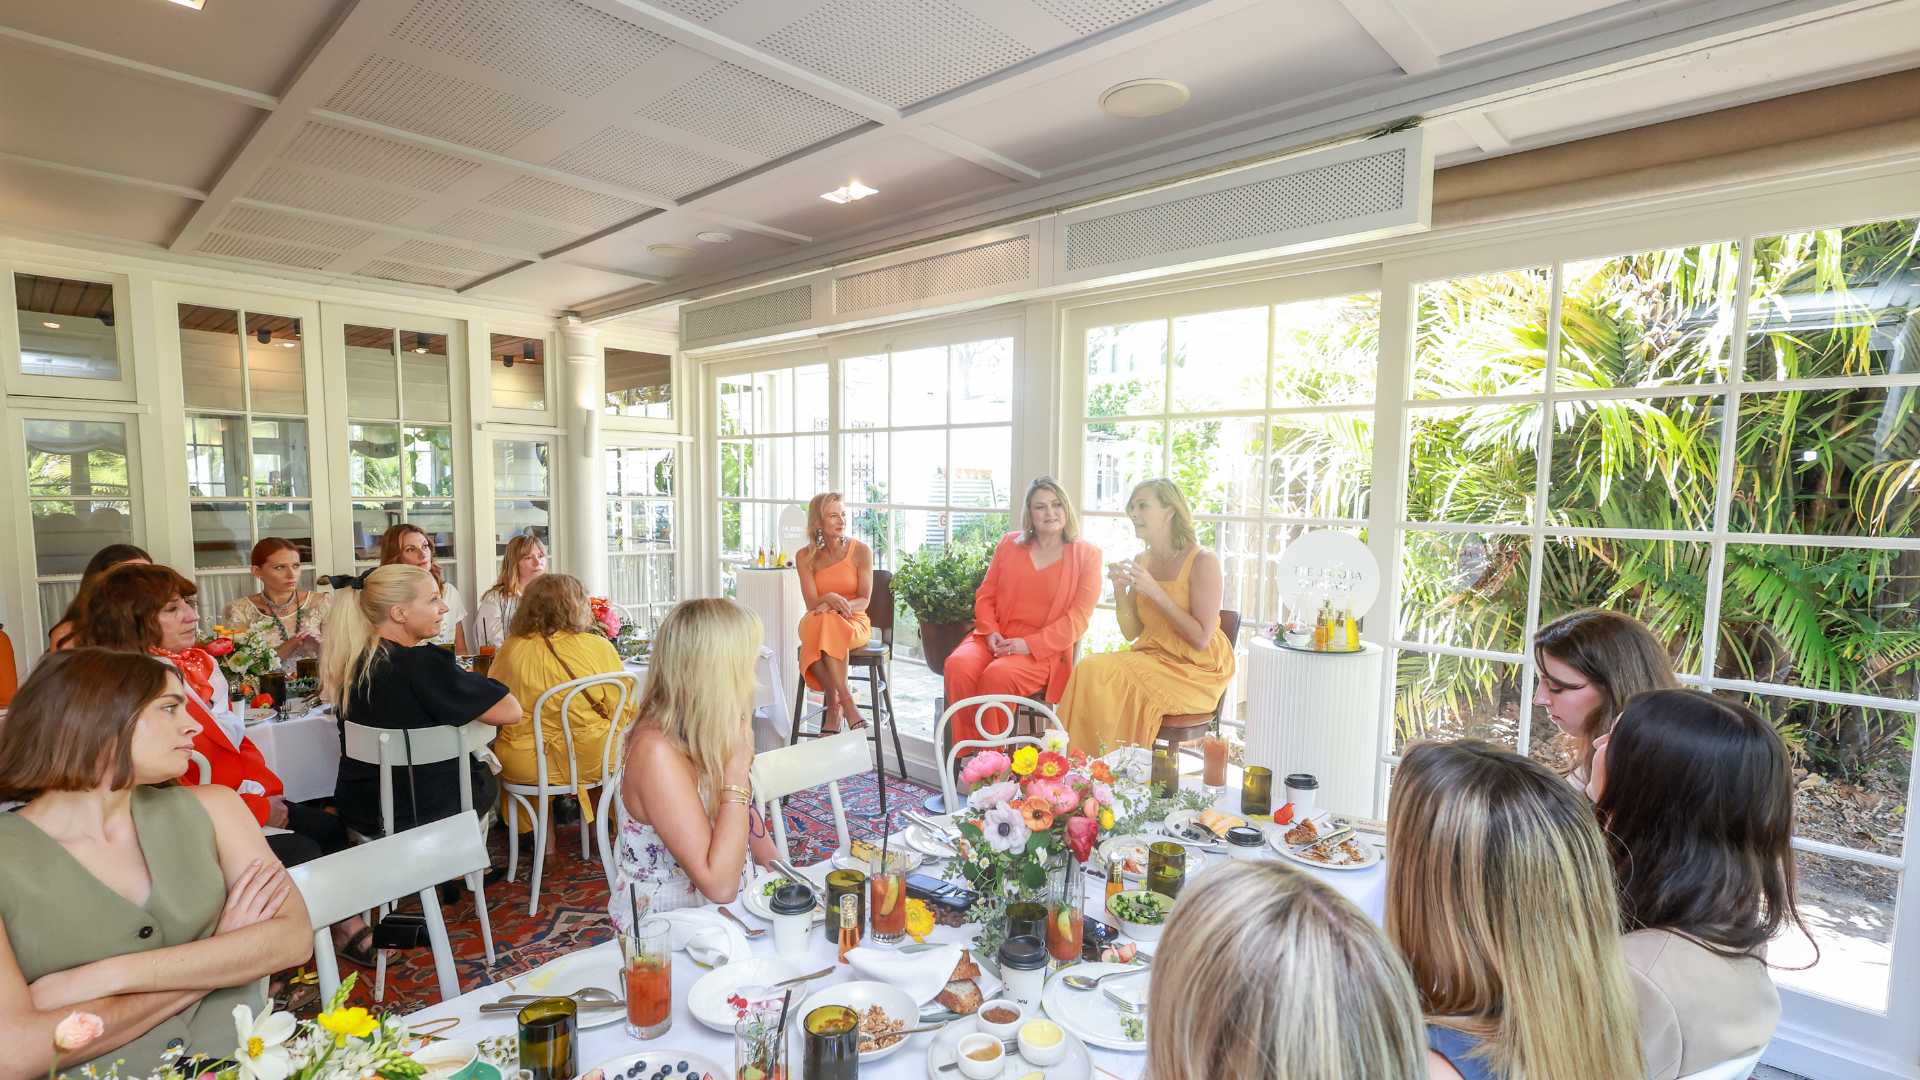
{"x": 598, "y": 1045}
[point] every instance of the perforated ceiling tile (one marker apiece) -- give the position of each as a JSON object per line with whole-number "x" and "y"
{"x": 998, "y": 263}
{"x": 698, "y": 10}
{"x": 754, "y": 313}
{"x": 425, "y": 251}
{"x": 248, "y": 219}
{"x": 900, "y": 51}
{"x": 505, "y": 231}
{"x": 388, "y": 270}
{"x": 375, "y": 158}
{"x": 547, "y": 199}
{"x": 563, "y": 44}
{"x": 732, "y": 105}
{"x": 389, "y": 91}
{"x": 331, "y": 196}
{"x": 1087, "y": 17}
{"x": 247, "y": 247}
{"x": 619, "y": 156}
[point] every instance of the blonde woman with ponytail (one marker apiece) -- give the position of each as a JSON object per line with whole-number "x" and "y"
{"x": 376, "y": 672}
{"x": 1500, "y": 894}
{"x": 689, "y": 821}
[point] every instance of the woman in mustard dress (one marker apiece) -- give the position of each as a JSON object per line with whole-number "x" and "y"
{"x": 1167, "y": 600}
{"x": 836, "y": 581}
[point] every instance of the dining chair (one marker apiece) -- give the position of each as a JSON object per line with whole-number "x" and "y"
{"x": 1737, "y": 1069}
{"x": 777, "y": 774}
{"x": 1007, "y": 707}
{"x": 546, "y": 785}
{"x": 202, "y": 768}
{"x": 871, "y": 663}
{"x": 1178, "y": 728}
{"x": 388, "y": 749}
{"x": 379, "y": 872}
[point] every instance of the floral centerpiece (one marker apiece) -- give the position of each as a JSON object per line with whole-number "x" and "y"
{"x": 244, "y": 653}
{"x": 606, "y": 616}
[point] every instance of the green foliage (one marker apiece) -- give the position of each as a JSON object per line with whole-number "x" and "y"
{"x": 939, "y": 584}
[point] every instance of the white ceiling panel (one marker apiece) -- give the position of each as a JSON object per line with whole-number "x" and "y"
{"x": 555, "y": 285}
{"x": 253, "y": 44}
{"x": 273, "y": 224}
{"x": 372, "y": 157}
{"x": 480, "y": 226}
{"x": 413, "y": 98}
{"x": 63, "y": 202}
{"x": 1453, "y": 25}
{"x": 1235, "y": 65}
{"x": 897, "y": 51}
{"x": 734, "y": 106}
{"x": 1450, "y": 140}
{"x": 572, "y": 48}
{"x": 565, "y": 203}
{"x": 1088, "y": 17}
{"x": 627, "y": 249}
{"x": 628, "y": 158}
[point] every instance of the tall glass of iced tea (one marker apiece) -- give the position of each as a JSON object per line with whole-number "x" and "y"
{"x": 887, "y": 899}
{"x": 647, "y": 955}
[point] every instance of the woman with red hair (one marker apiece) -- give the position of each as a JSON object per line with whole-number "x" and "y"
{"x": 293, "y": 615}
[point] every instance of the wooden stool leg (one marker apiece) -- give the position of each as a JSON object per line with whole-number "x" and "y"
{"x": 799, "y": 705}
{"x": 893, "y": 725}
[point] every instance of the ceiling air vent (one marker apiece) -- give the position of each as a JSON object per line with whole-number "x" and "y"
{"x": 944, "y": 278}
{"x": 754, "y": 314}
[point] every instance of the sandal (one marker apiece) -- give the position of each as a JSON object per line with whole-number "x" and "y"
{"x": 359, "y": 948}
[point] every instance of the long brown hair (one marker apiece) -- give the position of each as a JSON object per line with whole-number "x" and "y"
{"x": 121, "y": 609}
{"x": 1616, "y": 654}
{"x": 552, "y": 604}
{"x": 1500, "y": 894}
{"x": 71, "y": 725}
{"x": 103, "y": 560}
{"x": 1698, "y": 809}
{"x": 396, "y": 535}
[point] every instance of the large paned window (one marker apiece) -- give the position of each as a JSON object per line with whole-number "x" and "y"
{"x": 249, "y": 462}
{"x": 642, "y": 546}
{"x": 80, "y": 498}
{"x": 400, "y": 463}
{"x": 1722, "y": 440}
{"x": 774, "y": 453}
{"x": 523, "y": 491}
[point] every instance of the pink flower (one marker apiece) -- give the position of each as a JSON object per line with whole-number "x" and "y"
{"x": 1059, "y": 797}
{"x": 984, "y": 765}
{"x": 1103, "y": 793}
{"x": 1090, "y": 808}
{"x": 986, "y": 798}
{"x": 77, "y": 1030}
{"x": 1081, "y": 833}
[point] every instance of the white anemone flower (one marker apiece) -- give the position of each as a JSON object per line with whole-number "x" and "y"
{"x": 261, "y": 1054}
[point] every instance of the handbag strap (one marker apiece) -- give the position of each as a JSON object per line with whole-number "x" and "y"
{"x": 598, "y": 706}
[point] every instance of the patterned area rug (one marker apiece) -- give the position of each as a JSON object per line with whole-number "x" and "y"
{"x": 573, "y": 903}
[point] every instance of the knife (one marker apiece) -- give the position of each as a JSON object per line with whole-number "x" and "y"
{"x": 1335, "y": 835}
{"x": 797, "y": 979}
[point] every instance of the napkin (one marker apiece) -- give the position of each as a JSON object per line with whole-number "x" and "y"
{"x": 702, "y": 935}
{"x": 712, "y": 947}
{"x": 922, "y": 974}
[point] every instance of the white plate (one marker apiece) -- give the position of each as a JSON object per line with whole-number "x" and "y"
{"x": 698, "y": 1068}
{"x": 1276, "y": 840}
{"x": 574, "y": 972}
{"x": 691, "y": 922}
{"x": 858, "y": 996}
{"x": 908, "y": 860}
{"x": 754, "y": 897}
{"x": 707, "y": 999}
{"x": 926, "y": 843}
{"x": 1181, "y": 818}
{"x": 255, "y": 716}
{"x": 1077, "y": 1064}
{"x": 1114, "y": 843}
{"x": 1089, "y": 1014}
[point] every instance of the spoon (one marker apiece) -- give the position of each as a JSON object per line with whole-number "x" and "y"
{"x": 752, "y": 932}
{"x": 1081, "y": 982}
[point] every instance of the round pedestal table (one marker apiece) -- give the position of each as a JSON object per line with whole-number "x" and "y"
{"x": 1319, "y": 713}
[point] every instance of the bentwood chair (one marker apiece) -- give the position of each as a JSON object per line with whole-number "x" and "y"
{"x": 777, "y": 774}
{"x": 546, "y": 784}
{"x": 873, "y": 663}
{"x": 1183, "y": 727}
{"x": 1003, "y": 736}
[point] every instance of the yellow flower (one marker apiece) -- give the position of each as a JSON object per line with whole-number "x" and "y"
{"x": 1106, "y": 818}
{"x": 354, "y": 1023}
{"x": 1024, "y": 759}
{"x": 919, "y": 920}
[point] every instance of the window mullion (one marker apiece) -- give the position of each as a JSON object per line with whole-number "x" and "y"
{"x": 1723, "y": 474}
{"x": 1542, "y": 476}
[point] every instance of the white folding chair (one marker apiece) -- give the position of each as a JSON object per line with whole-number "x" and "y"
{"x": 1737, "y": 1069}
{"x": 387, "y": 749}
{"x": 992, "y": 706}
{"x": 545, "y": 786}
{"x": 202, "y": 768}
{"x": 828, "y": 760}
{"x": 376, "y": 873}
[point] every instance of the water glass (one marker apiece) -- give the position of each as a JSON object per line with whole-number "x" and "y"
{"x": 1166, "y": 868}
{"x": 647, "y": 958}
{"x": 1256, "y": 791}
{"x": 759, "y": 1053}
{"x": 549, "y": 1043}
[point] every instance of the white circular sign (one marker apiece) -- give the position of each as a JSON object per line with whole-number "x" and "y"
{"x": 1328, "y": 567}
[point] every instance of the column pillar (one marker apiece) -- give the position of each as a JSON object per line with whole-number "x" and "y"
{"x": 584, "y": 478}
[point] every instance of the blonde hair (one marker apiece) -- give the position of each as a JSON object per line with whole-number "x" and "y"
{"x": 1501, "y": 896}
{"x": 1302, "y": 985}
{"x": 1617, "y": 655}
{"x": 1169, "y": 495}
{"x": 552, "y": 604}
{"x": 701, "y": 684}
{"x": 817, "y": 517}
{"x": 1048, "y": 483}
{"x": 508, "y": 583}
{"x": 351, "y": 643}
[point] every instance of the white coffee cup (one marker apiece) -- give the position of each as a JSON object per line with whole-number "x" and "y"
{"x": 1303, "y": 791}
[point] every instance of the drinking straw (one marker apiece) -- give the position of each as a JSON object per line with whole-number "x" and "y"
{"x": 780, "y": 1030}
{"x": 633, "y": 899}
{"x": 886, "y": 823}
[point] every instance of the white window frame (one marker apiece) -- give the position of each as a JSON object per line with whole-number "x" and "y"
{"x": 550, "y": 360}
{"x": 15, "y": 381}
{"x": 680, "y": 404}
{"x": 678, "y": 547}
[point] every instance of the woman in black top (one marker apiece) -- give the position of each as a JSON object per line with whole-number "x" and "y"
{"x": 376, "y": 671}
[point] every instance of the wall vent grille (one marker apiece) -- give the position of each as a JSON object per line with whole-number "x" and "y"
{"x": 754, "y": 313}
{"x": 1003, "y": 262}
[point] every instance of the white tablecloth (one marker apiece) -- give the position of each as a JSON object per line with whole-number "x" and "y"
{"x": 1367, "y": 888}
{"x": 304, "y": 751}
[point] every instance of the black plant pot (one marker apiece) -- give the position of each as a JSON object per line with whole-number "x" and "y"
{"x": 938, "y": 640}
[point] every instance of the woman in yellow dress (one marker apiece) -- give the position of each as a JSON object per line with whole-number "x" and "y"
{"x": 1167, "y": 600}
{"x": 836, "y": 581}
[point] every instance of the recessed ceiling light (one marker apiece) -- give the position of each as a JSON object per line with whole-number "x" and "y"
{"x": 715, "y": 236}
{"x": 288, "y": 344}
{"x": 1139, "y": 98}
{"x": 194, "y": 4}
{"x": 853, "y": 192}
{"x": 50, "y": 325}
{"x": 671, "y": 251}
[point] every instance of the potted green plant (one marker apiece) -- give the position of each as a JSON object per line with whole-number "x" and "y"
{"x": 938, "y": 584}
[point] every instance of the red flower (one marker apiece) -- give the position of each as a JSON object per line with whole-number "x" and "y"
{"x": 1081, "y": 833}
{"x": 1051, "y": 766}
{"x": 219, "y": 646}
{"x": 260, "y": 701}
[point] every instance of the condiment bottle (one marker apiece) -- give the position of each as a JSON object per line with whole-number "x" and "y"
{"x": 1116, "y": 870}
{"x": 792, "y": 906}
{"x": 849, "y": 924}
{"x": 1321, "y": 631}
{"x": 1023, "y": 965}
{"x": 1353, "y": 633}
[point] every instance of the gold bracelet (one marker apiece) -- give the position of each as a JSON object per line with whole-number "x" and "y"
{"x": 745, "y": 794}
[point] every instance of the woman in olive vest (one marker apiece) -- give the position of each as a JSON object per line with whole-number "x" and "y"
{"x": 158, "y": 908}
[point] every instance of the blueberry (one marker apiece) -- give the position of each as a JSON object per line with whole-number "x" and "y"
{"x": 682, "y": 1067}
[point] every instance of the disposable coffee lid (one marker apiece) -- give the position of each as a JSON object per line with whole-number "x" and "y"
{"x": 792, "y": 898}
{"x": 1243, "y": 836}
{"x": 1023, "y": 953}
{"x": 1302, "y": 780}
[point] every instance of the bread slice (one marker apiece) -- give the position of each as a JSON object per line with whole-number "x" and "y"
{"x": 966, "y": 968}
{"x": 960, "y": 995}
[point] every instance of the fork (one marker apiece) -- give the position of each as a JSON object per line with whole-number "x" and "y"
{"x": 1124, "y": 1004}
{"x": 753, "y": 933}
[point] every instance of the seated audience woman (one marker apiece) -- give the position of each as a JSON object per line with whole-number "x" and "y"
{"x": 1695, "y": 795}
{"x": 158, "y": 908}
{"x": 1167, "y": 600}
{"x": 293, "y": 615}
{"x": 149, "y": 609}
{"x": 410, "y": 544}
{"x": 1500, "y": 895}
{"x": 556, "y": 640}
{"x": 1030, "y": 611}
{"x": 1300, "y": 984}
{"x": 379, "y": 669}
{"x": 689, "y": 815}
{"x": 525, "y": 559}
{"x": 61, "y": 636}
{"x": 1590, "y": 663}
{"x": 836, "y": 582}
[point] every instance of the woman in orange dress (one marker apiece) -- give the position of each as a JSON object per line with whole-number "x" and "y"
{"x": 1030, "y": 611}
{"x": 836, "y": 581}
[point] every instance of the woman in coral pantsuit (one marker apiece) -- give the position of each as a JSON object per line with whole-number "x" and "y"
{"x": 836, "y": 581}
{"x": 1167, "y": 601}
{"x": 1030, "y": 612}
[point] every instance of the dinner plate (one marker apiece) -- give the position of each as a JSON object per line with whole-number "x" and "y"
{"x": 707, "y": 999}
{"x": 649, "y": 1061}
{"x": 575, "y": 972}
{"x": 1276, "y": 840}
{"x": 926, "y": 843}
{"x": 1076, "y": 1064}
{"x": 1089, "y": 1014}
{"x": 861, "y": 995}
{"x": 1179, "y": 819}
{"x": 255, "y": 716}
{"x": 758, "y": 904}
{"x": 1128, "y": 842}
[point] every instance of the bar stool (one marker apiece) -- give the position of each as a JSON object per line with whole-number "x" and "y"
{"x": 873, "y": 662}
